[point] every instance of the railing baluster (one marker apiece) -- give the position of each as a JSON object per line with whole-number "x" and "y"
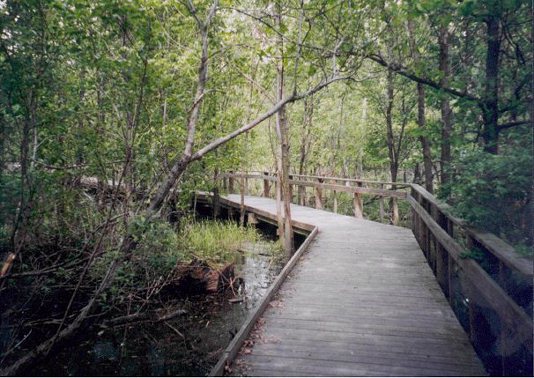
{"x": 358, "y": 207}
{"x": 231, "y": 183}
{"x": 242, "y": 201}
{"x": 318, "y": 196}
{"x": 381, "y": 205}
{"x": 266, "y": 186}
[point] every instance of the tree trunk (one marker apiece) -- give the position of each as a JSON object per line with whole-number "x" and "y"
{"x": 304, "y": 146}
{"x": 286, "y": 233}
{"x": 490, "y": 134}
{"x": 446, "y": 112}
{"x": 425, "y": 142}
{"x": 421, "y": 120}
{"x": 393, "y": 161}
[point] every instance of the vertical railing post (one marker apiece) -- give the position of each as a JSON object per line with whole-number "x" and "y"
{"x": 415, "y": 217}
{"x": 433, "y": 260}
{"x": 231, "y": 183}
{"x": 216, "y": 202}
{"x": 225, "y": 183}
{"x": 358, "y": 203}
{"x": 319, "y": 195}
{"x": 335, "y": 201}
{"x": 394, "y": 207}
{"x": 471, "y": 305}
{"x": 266, "y": 185}
{"x": 424, "y": 231}
{"x": 381, "y": 205}
{"x": 290, "y": 189}
{"x": 242, "y": 200}
{"x": 301, "y": 194}
{"x": 442, "y": 260}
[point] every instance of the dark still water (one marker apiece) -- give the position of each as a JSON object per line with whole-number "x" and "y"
{"x": 188, "y": 345}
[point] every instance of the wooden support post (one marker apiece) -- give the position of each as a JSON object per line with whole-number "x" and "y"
{"x": 266, "y": 186}
{"x": 428, "y": 232}
{"x": 381, "y": 206}
{"x": 358, "y": 203}
{"x": 318, "y": 198}
{"x": 335, "y": 202}
{"x": 394, "y": 211}
{"x": 301, "y": 193}
{"x": 242, "y": 203}
{"x": 442, "y": 261}
{"x": 290, "y": 189}
{"x": 475, "y": 316}
{"x": 216, "y": 202}
{"x": 442, "y": 268}
{"x": 451, "y": 283}
{"x": 251, "y": 218}
{"x": 231, "y": 184}
{"x": 358, "y": 206}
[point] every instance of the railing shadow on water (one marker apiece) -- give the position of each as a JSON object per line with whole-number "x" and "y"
{"x": 488, "y": 286}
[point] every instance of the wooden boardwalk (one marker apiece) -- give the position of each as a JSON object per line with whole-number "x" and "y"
{"x": 361, "y": 301}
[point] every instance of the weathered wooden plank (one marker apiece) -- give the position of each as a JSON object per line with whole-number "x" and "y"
{"x": 327, "y": 367}
{"x": 361, "y": 325}
{"x": 455, "y": 357}
{"x": 365, "y": 285}
{"x": 371, "y": 341}
{"x": 344, "y": 353}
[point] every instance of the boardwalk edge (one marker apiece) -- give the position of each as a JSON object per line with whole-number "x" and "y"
{"x": 233, "y": 348}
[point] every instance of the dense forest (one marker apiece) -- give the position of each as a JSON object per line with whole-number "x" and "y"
{"x": 112, "y": 113}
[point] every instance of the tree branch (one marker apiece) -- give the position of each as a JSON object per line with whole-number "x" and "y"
{"x": 512, "y": 124}
{"x": 397, "y": 68}
{"x": 287, "y": 100}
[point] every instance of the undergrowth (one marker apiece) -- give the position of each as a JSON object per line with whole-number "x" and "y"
{"x": 216, "y": 242}
{"x": 162, "y": 248}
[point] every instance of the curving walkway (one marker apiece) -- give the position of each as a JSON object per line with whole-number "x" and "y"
{"x": 361, "y": 301}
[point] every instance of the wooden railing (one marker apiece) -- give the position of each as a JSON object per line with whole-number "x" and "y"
{"x": 320, "y": 184}
{"x": 489, "y": 287}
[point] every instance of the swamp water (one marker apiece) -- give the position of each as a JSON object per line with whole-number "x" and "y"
{"x": 188, "y": 345}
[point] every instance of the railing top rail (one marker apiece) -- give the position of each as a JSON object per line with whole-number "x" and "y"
{"x": 491, "y": 243}
{"x": 400, "y": 184}
{"x": 269, "y": 175}
{"x": 442, "y": 206}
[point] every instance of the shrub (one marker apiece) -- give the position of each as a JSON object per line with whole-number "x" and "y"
{"x": 493, "y": 193}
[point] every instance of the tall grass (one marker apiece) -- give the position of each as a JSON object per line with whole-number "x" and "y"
{"x": 215, "y": 242}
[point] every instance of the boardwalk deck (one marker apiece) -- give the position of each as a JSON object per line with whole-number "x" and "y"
{"x": 362, "y": 301}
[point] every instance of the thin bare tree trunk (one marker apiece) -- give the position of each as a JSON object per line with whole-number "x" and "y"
{"x": 490, "y": 114}
{"x": 393, "y": 161}
{"x": 305, "y": 146}
{"x": 286, "y": 234}
{"x": 421, "y": 120}
{"x": 425, "y": 142}
{"x": 446, "y": 112}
